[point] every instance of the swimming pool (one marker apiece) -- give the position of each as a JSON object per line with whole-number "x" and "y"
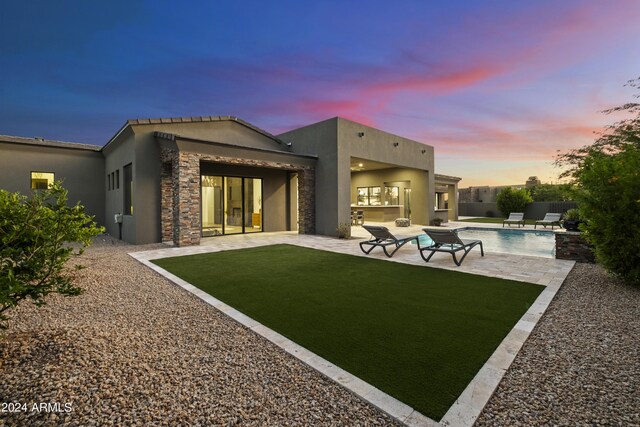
{"x": 510, "y": 241}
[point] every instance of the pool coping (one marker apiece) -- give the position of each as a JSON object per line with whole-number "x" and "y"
{"x": 509, "y": 230}
{"x": 463, "y": 412}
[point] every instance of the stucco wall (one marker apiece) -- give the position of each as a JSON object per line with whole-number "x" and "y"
{"x": 147, "y": 165}
{"x": 82, "y": 172}
{"x": 117, "y": 155}
{"x": 321, "y": 139}
{"x": 388, "y": 148}
{"x": 335, "y": 142}
{"x": 228, "y": 131}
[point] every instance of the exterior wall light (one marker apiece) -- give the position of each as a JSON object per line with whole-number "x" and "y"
{"x": 395, "y": 144}
{"x": 424, "y": 151}
{"x": 360, "y": 134}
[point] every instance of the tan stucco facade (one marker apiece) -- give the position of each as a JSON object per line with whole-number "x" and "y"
{"x": 307, "y": 174}
{"x": 337, "y": 141}
{"x": 81, "y": 167}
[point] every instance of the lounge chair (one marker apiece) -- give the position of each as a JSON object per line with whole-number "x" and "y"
{"x": 514, "y": 218}
{"x": 549, "y": 219}
{"x": 448, "y": 241}
{"x": 381, "y": 236}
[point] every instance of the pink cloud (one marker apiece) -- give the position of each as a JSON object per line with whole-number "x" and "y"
{"x": 537, "y": 138}
{"x": 444, "y": 81}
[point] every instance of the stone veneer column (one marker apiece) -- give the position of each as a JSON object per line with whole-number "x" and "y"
{"x": 166, "y": 204}
{"x": 572, "y": 246}
{"x": 186, "y": 199}
{"x": 306, "y": 201}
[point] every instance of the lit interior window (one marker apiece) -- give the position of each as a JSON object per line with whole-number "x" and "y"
{"x": 41, "y": 180}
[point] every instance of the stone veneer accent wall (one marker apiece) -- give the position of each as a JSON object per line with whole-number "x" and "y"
{"x": 306, "y": 201}
{"x": 166, "y": 194}
{"x": 180, "y": 182}
{"x": 572, "y": 246}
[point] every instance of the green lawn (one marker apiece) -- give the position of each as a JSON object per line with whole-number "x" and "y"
{"x": 495, "y": 221}
{"x": 418, "y": 333}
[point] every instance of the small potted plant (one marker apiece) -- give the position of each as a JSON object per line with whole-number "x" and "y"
{"x": 437, "y": 222}
{"x": 571, "y": 220}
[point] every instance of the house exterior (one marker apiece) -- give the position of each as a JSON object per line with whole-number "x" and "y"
{"x": 184, "y": 179}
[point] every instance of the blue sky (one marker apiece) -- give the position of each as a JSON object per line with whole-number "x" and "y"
{"x": 496, "y": 86}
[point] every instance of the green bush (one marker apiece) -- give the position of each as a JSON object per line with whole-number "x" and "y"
{"x": 512, "y": 200}
{"x": 606, "y": 175}
{"x": 571, "y": 215}
{"x": 35, "y": 238}
{"x": 610, "y": 203}
{"x": 551, "y": 193}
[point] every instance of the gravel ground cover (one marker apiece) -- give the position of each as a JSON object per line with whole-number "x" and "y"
{"x": 581, "y": 364}
{"x": 136, "y": 350}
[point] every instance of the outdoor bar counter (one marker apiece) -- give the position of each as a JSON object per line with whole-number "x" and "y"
{"x": 380, "y": 213}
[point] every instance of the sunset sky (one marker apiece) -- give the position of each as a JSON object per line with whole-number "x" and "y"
{"x": 496, "y": 86}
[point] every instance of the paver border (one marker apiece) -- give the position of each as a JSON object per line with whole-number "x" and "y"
{"x": 463, "y": 412}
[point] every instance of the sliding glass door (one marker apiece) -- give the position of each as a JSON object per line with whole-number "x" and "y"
{"x": 231, "y": 205}
{"x": 212, "y": 206}
{"x": 252, "y": 205}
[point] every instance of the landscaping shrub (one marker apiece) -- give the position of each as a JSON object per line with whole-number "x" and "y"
{"x": 512, "y": 200}
{"x": 35, "y": 237}
{"x": 551, "y": 193}
{"x": 610, "y": 202}
{"x": 343, "y": 231}
{"x": 607, "y": 178}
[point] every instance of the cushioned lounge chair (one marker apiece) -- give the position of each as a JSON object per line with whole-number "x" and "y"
{"x": 514, "y": 218}
{"x": 382, "y": 237}
{"x": 549, "y": 219}
{"x": 448, "y": 241}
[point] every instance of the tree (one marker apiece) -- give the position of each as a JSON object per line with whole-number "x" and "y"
{"x": 512, "y": 200}
{"x": 607, "y": 181}
{"x": 551, "y": 193}
{"x": 37, "y": 236}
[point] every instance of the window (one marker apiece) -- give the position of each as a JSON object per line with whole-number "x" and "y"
{"x": 128, "y": 189}
{"x": 391, "y": 196}
{"x": 374, "y": 196}
{"x": 118, "y": 178}
{"x": 108, "y": 181}
{"x": 368, "y": 196}
{"x": 41, "y": 180}
{"x": 363, "y": 196}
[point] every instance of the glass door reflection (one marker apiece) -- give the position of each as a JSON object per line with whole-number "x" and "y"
{"x": 407, "y": 203}
{"x": 233, "y": 205}
{"x": 212, "y": 206}
{"x": 252, "y": 205}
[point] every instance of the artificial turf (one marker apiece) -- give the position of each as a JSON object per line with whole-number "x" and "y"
{"x": 418, "y": 333}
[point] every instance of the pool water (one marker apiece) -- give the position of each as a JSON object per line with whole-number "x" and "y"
{"x": 517, "y": 242}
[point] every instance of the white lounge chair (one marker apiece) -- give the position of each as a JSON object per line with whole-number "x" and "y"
{"x": 514, "y": 218}
{"x": 549, "y": 219}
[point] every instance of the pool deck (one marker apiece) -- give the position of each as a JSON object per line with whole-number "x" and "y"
{"x": 542, "y": 271}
